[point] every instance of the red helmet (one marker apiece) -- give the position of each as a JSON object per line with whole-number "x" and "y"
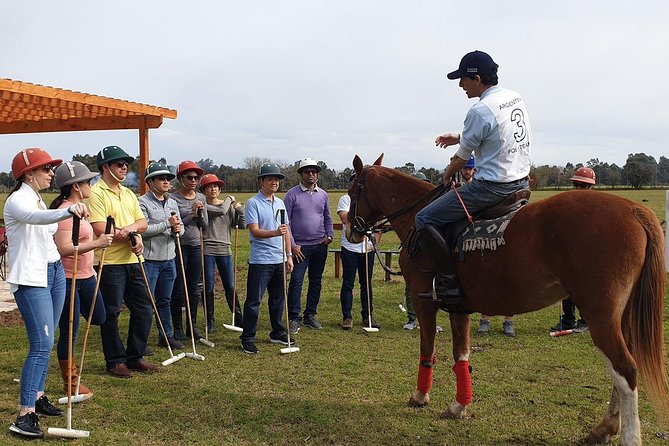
{"x": 584, "y": 175}
{"x": 30, "y": 159}
{"x": 208, "y": 179}
{"x": 187, "y": 165}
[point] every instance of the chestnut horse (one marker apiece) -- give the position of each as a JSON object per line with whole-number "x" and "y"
{"x": 604, "y": 251}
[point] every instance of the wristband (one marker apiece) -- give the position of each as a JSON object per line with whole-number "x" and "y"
{"x": 290, "y": 254}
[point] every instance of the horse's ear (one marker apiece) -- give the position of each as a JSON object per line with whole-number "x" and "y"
{"x": 357, "y": 164}
{"x": 379, "y": 160}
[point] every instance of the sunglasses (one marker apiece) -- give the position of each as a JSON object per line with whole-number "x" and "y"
{"x": 162, "y": 178}
{"x": 85, "y": 182}
{"x": 191, "y": 177}
{"x": 48, "y": 168}
{"x": 310, "y": 171}
{"x": 121, "y": 164}
{"x": 581, "y": 185}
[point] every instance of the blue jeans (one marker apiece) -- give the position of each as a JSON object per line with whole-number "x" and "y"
{"x": 161, "y": 275}
{"x": 477, "y": 195}
{"x": 314, "y": 259}
{"x": 260, "y": 278}
{"x": 192, "y": 263}
{"x": 124, "y": 283}
{"x": 353, "y": 262}
{"x": 40, "y": 308}
{"x": 224, "y": 265}
{"x": 83, "y": 296}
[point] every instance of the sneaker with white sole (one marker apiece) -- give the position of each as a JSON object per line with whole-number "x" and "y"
{"x": 294, "y": 327}
{"x": 43, "y": 407}
{"x": 283, "y": 340}
{"x": 250, "y": 348}
{"x": 410, "y": 325}
{"x": 27, "y": 425}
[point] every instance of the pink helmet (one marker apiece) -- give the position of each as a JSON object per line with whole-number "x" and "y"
{"x": 584, "y": 175}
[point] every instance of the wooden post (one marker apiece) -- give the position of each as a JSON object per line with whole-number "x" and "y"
{"x": 143, "y": 157}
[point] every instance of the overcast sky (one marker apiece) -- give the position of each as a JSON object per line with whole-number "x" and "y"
{"x": 330, "y": 79}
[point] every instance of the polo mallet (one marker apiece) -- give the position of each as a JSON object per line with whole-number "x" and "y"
{"x": 204, "y": 340}
{"x": 173, "y": 358}
{"x": 232, "y": 326}
{"x": 368, "y": 329}
{"x": 77, "y": 398}
{"x": 194, "y": 354}
{"x": 288, "y": 349}
{"x": 555, "y": 334}
{"x": 69, "y": 432}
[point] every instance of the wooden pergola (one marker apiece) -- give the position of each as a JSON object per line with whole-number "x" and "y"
{"x": 32, "y": 108}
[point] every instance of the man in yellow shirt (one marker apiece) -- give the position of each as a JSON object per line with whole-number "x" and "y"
{"x": 121, "y": 279}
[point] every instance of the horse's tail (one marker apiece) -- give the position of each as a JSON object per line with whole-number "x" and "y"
{"x": 645, "y": 316}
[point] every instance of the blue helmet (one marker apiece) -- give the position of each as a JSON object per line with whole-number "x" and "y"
{"x": 471, "y": 163}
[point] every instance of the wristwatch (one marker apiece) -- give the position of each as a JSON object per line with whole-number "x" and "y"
{"x": 329, "y": 237}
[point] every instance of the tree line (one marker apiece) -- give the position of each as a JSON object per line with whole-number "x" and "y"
{"x": 639, "y": 171}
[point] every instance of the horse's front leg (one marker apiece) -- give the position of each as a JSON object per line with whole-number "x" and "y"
{"x": 426, "y": 312}
{"x": 463, "y": 397}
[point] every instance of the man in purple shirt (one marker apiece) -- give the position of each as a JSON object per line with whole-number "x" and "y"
{"x": 311, "y": 228}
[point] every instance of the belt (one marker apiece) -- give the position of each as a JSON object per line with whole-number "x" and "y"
{"x": 510, "y": 182}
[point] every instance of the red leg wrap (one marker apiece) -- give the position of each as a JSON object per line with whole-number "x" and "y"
{"x": 425, "y": 373}
{"x": 464, "y": 380}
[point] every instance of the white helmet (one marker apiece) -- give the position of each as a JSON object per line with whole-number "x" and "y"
{"x": 308, "y": 162}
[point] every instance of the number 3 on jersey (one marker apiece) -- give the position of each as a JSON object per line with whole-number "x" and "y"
{"x": 518, "y": 118}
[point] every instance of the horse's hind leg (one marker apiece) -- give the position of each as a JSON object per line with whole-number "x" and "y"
{"x": 460, "y": 331}
{"x": 623, "y": 412}
{"x": 610, "y": 425}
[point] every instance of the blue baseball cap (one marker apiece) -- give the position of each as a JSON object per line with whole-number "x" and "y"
{"x": 475, "y": 63}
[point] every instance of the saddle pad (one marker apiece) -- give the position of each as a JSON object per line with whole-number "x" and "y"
{"x": 483, "y": 234}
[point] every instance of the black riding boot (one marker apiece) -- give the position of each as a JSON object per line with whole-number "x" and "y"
{"x": 210, "y": 311}
{"x": 446, "y": 288}
{"x": 239, "y": 319}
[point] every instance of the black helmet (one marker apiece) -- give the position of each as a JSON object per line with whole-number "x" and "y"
{"x": 270, "y": 170}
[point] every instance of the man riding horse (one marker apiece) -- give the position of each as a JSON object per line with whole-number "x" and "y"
{"x": 497, "y": 131}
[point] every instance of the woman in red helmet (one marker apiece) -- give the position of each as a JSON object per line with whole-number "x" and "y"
{"x": 584, "y": 178}
{"x": 193, "y": 213}
{"x": 36, "y": 277}
{"x": 223, "y": 215}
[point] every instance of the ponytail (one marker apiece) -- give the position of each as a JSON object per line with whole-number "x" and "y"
{"x": 65, "y": 192}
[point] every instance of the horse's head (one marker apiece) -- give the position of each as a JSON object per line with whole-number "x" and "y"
{"x": 362, "y": 213}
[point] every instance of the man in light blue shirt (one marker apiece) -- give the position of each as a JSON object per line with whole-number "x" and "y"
{"x": 266, "y": 261}
{"x": 497, "y": 131}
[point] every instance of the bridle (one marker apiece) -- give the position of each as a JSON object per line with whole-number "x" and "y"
{"x": 382, "y": 224}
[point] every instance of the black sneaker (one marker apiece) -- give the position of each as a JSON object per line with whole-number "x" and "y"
{"x": 311, "y": 322}
{"x": 179, "y": 334}
{"x": 283, "y": 340}
{"x": 294, "y": 327}
{"x": 564, "y": 325}
{"x": 27, "y": 425}
{"x": 250, "y": 348}
{"x": 44, "y": 407}
{"x": 196, "y": 334}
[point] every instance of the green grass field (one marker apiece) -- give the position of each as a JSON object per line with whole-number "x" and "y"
{"x": 344, "y": 388}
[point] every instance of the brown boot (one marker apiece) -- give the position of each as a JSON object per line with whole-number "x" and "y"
{"x": 83, "y": 390}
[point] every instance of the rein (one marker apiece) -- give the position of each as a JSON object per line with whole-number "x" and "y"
{"x": 381, "y": 225}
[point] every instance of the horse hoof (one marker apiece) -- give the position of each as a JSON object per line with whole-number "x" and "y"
{"x": 419, "y": 400}
{"x": 417, "y": 404}
{"x": 599, "y": 438}
{"x": 456, "y": 411}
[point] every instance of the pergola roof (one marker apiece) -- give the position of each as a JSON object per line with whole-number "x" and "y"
{"x": 31, "y": 108}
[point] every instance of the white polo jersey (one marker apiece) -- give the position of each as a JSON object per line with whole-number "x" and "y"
{"x": 497, "y": 130}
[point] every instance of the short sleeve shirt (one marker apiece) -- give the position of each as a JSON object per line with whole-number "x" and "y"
{"x": 265, "y": 212}
{"x": 125, "y": 209}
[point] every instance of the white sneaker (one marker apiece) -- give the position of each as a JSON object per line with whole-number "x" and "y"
{"x": 410, "y": 325}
